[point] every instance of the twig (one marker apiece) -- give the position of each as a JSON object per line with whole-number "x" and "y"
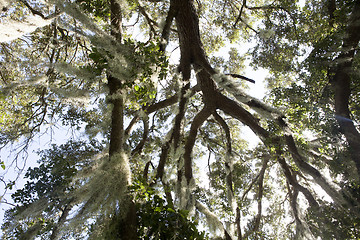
{"x": 241, "y": 11}
{"x": 240, "y": 76}
{"x": 36, "y": 12}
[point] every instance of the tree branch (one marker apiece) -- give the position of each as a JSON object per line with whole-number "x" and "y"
{"x": 199, "y": 119}
{"x": 240, "y": 76}
{"x": 302, "y": 229}
{"x": 146, "y": 170}
{"x": 148, "y": 19}
{"x": 166, "y": 30}
{"x": 238, "y": 223}
{"x": 228, "y": 158}
{"x": 36, "y": 12}
{"x": 341, "y": 83}
{"x": 62, "y": 219}
{"x": 141, "y": 144}
{"x": 233, "y": 109}
{"x": 163, "y": 156}
{"x": 240, "y": 13}
{"x": 212, "y": 218}
{"x": 226, "y": 129}
{"x": 259, "y": 199}
{"x": 175, "y": 135}
{"x": 292, "y": 180}
{"x": 157, "y": 106}
{"x": 180, "y": 116}
{"x": 317, "y": 176}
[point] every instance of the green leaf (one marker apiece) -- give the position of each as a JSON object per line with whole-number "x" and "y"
{"x": 157, "y": 209}
{"x": 171, "y": 210}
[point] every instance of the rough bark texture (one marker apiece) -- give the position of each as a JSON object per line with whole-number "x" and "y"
{"x": 194, "y": 57}
{"x": 342, "y": 85}
{"x": 117, "y": 117}
{"x": 115, "y": 87}
{"x": 199, "y": 119}
{"x": 127, "y": 231}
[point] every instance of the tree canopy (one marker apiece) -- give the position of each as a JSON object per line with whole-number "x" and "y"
{"x": 156, "y": 92}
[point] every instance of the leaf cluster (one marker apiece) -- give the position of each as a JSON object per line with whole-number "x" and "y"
{"x": 158, "y": 219}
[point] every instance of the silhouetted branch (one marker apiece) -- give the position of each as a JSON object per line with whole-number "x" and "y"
{"x": 199, "y": 119}
{"x": 259, "y": 200}
{"x": 166, "y": 30}
{"x": 292, "y": 180}
{"x": 141, "y": 144}
{"x": 226, "y": 129}
{"x": 36, "y": 12}
{"x": 241, "y": 77}
{"x": 240, "y": 13}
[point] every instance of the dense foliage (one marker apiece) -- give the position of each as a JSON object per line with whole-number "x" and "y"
{"x": 154, "y": 97}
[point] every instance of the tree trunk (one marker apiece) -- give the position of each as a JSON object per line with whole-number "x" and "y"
{"x": 127, "y": 223}
{"x": 342, "y": 85}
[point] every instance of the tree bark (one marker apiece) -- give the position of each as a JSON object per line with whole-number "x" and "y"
{"x": 342, "y": 85}
{"x": 127, "y": 223}
{"x": 115, "y": 87}
{"x": 62, "y": 219}
{"x": 199, "y": 119}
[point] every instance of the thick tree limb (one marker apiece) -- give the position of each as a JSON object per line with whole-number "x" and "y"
{"x": 292, "y": 180}
{"x": 232, "y": 87}
{"x": 131, "y": 124}
{"x": 163, "y": 156}
{"x": 199, "y": 119}
{"x": 146, "y": 170}
{"x": 233, "y": 109}
{"x": 226, "y": 129}
{"x": 169, "y": 101}
{"x": 175, "y": 134}
{"x": 307, "y": 168}
{"x": 341, "y": 83}
{"x": 176, "y": 130}
{"x": 228, "y": 158}
{"x": 166, "y": 30}
{"x": 191, "y": 48}
{"x": 316, "y": 175}
{"x": 180, "y": 116}
{"x": 238, "y": 223}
